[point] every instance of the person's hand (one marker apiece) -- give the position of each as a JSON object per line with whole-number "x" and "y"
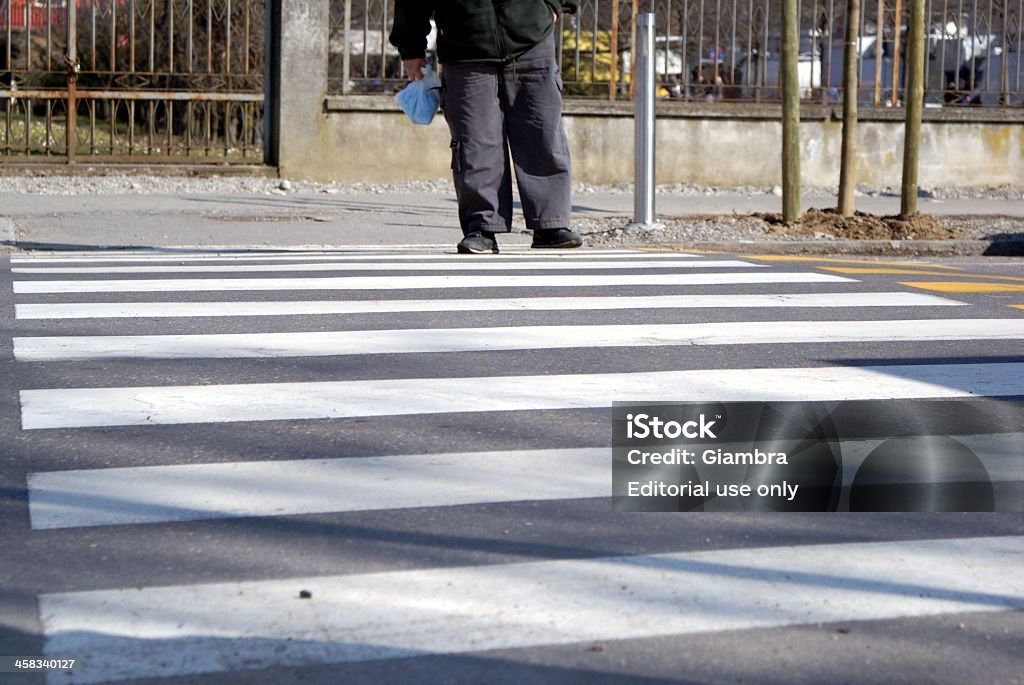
{"x": 414, "y": 68}
{"x": 554, "y": 16}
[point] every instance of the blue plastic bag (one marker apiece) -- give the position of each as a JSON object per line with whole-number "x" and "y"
{"x": 419, "y": 99}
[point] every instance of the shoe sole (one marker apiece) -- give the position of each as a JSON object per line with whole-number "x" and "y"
{"x": 465, "y": 250}
{"x": 557, "y": 246}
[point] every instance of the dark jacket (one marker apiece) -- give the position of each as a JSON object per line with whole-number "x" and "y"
{"x": 474, "y": 30}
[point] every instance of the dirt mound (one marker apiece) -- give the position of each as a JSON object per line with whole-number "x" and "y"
{"x": 860, "y": 226}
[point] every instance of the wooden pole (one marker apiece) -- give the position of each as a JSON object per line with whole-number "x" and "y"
{"x": 847, "y": 177}
{"x": 914, "y": 107}
{"x": 790, "y": 111}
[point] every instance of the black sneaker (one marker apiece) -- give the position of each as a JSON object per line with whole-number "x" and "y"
{"x": 478, "y": 242}
{"x": 556, "y": 238}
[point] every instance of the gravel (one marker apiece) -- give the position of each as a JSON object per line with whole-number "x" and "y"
{"x": 610, "y": 233}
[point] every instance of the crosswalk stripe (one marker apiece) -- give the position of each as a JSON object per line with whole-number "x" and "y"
{"x": 350, "y": 255}
{"x": 190, "y": 492}
{"x": 839, "y": 300}
{"x": 400, "y": 266}
{"x": 84, "y": 407}
{"x": 413, "y": 282}
{"x": 199, "y": 492}
{"x": 431, "y": 340}
{"x": 154, "y": 632}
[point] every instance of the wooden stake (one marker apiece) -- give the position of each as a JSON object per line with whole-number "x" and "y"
{"x": 847, "y": 176}
{"x": 914, "y": 107}
{"x": 790, "y": 111}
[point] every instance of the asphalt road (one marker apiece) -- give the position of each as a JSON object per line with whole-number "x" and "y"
{"x": 408, "y": 437}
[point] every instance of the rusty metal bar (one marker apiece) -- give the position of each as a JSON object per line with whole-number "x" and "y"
{"x": 113, "y": 35}
{"x": 92, "y": 34}
{"x": 209, "y": 36}
{"x": 383, "y": 39}
{"x": 346, "y": 56}
{"x": 879, "y": 39}
{"x": 71, "y": 59}
{"x": 170, "y": 36}
{"x": 613, "y": 81}
{"x": 897, "y": 26}
{"x": 28, "y": 128}
{"x": 49, "y": 35}
{"x": 150, "y": 95}
{"x": 152, "y": 35}
{"x": 245, "y": 68}
{"x": 28, "y": 35}
{"x": 131, "y": 35}
{"x": 188, "y": 127}
{"x": 227, "y": 48}
{"x": 188, "y": 39}
{"x": 8, "y": 43}
{"x": 49, "y": 128}
{"x": 91, "y": 108}
{"x": 7, "y": 127}
{"x": 151, "y": 128}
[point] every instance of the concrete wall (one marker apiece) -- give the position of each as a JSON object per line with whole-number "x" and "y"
{"x": 367, "y": 138}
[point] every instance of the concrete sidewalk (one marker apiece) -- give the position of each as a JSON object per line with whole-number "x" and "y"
{"x": 288, "y": 218}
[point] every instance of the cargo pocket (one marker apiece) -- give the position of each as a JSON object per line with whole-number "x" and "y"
{"x": 456, "y": 156}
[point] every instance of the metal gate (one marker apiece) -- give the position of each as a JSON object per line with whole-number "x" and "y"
{"x": 142, "y": 80}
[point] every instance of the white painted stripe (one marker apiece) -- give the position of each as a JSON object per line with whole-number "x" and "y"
{"x": 81, "y": 407}
{"x": 192, "y": 492}
{"x": 160, "y": 632}
{"x": 428, "y": 340}
{"x": 349, "y": 255}
{"x": 97, "y": 497}
{"x": 501, "y": 281}
{"x": 463, "y": 265}
{"x": 99, "y": 310}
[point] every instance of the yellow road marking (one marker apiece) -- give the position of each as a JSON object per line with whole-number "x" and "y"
{"x": 966, "y": 287}
{"x": 922, "y": 272}
{"x": 834, "y": 260}
{"x": 1016, "y": 306}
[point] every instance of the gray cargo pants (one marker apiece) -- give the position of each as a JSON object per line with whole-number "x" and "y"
{"x": 494, "y": 108}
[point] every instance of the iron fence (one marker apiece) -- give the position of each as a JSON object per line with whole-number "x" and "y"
{"x": 117, "y": 80}
{"x": 728, "y": 50}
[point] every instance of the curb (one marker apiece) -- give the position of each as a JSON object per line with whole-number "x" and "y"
{"x": 877, "y": 248}
{"x": 6, "y": 233}
{"x": 904, "y": 248}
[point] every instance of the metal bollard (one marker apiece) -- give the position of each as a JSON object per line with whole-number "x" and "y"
{"x": 644, "y": 94}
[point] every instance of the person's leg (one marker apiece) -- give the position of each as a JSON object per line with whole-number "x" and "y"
{"x": 532, "y": 98}
{"x": 480, "y": 165}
